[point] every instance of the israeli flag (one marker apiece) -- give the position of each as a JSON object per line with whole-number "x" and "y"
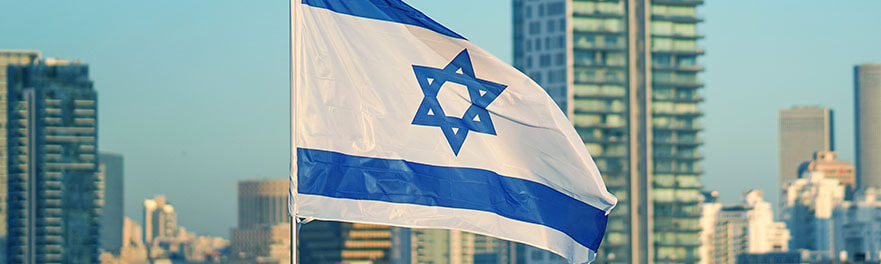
{"x": 397, "y": 120}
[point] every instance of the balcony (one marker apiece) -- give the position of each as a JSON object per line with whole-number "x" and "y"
{"x": 678, "y": 51}
{"x": 678, "y": 2}
{"x": 678, "y": 156}
{"x": 678, "y": 18}
{"x": 678, "y": 99}
{"x": 683, "y": 68}
{"x": 677, "y": 142}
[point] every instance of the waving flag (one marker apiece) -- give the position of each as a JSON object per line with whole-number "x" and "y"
{"x": 398, "y": 120}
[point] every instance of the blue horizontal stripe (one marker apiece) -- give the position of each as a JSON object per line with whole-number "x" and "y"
{"x": 387, "y": 10}
{"x": 338, "y": 175}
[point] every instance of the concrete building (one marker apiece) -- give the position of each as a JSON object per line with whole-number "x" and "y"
{"x": 53, "y": 205}
{"x": 804, "y": 130}
{"x": 7, "y": 57}
{"x": 828, "y": 164}
{"x": 110, "y": 170}
{"x": 262, "y": 214}
{"x": 733, "y": 230}
{"x": 858, "y": 227}
{"x": 490, "y": 250}
{"x": 626, "y": 74}
{"x": 867, "y": 112}
{"x": 160, "y": 220}
{"x": 808, "y": 205}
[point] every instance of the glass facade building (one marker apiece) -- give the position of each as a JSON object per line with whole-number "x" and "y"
{"x": 626, "y": 74}
{"x": 53, "y": 187}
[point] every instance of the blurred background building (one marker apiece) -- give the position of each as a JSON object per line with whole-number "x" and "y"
{"x": 263, "y": 220}
{"x": 111, "y": 172}
{"x": 53, "y": 205}
{"x": 626, "y": 74}
{"x": 804, "y": 130}
{"x": 828, "y": 165}
{"x": 729, "y": 231}
{"x": 867, "y": 112}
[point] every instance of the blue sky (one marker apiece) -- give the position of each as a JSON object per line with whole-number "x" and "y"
{"x": 194, "y": 93}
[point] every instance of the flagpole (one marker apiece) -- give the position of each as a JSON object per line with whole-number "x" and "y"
{"x": 293, "y": 148}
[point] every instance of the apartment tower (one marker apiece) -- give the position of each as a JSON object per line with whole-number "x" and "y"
{"x": 54, "y": 206}
{"x": 626, "y": 74}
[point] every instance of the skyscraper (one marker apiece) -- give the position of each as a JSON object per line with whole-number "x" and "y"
{"x": 626, "y": 74}
{"x": 54, "y": 211}
{"x": 160, "y": 220}
{"x": 803, "y": 131}
{"x": 263, "y": 209}
{"x": 325, "y": 242}
{"x": 867, "y": 97}
{"x": 7, "y": 57}
{"x": 110, "y": 168}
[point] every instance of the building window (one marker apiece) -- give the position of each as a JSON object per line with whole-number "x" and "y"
{"x": 544, "y": 60}
{"x": 537, "y": 255}
{"x": 535, "y": 28}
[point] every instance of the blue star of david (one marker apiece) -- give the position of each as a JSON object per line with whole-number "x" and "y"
{"x": 481, "y": 93}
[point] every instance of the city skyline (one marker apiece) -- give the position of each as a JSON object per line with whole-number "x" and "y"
{"x": 197, "y": 144}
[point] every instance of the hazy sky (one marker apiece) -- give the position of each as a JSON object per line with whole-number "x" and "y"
{"x": 194, "y": 94}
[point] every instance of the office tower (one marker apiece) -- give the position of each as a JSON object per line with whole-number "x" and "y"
{"x": 262, "y": 214}
{"x": 827, "y": 164}
{"x": 808, "y": 204}
{"x": 626, "y": 74}
{"x": 733, "y": 230}
{"x": 160, "y": 220}
{"x": 867, "y": 101}
{"x": 324, "y": 242}
{"x": 54, "y": 211}
{"x": 110, "y": 170}
{"x": 803, "y": 131}
{"x": 7, "y": 57}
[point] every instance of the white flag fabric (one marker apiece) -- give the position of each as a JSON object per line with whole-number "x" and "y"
{"x": 398, "y": 120}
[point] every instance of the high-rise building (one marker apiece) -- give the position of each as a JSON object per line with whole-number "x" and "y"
{"x": 803, "y": 131}
{"x": 110, "y": 170}
{"x": 7, "y": 57}
{"x": 54, "y": 210}
{"x": 867, "y": 97}
{"x": 160, "y": 220}
{"x": 626, "y": 74}
{"x": 828, "y": 164}
{"x": 262, "y": 214}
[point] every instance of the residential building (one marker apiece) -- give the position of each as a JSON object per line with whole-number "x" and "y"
{"x": 867, "y": 112}
{"x": 52, "y": 143}
{"x": 747, "y": 228}
{"x": 160, "y": 220}
{"x": 432, "y": 246}
{"x": 262, "y": 215}
{"x": 804, "y": 130}
{"x": 858, "y": 227}
{"x": 7, "y": 57}
{"x": 133, "y": 249}
{"x": 626, "y": 73}
{"x": 808, "y": 205}
{"x": 710, "y": 209}
{"x": 828, "y": 164}
{"x": 110, "y": 171}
